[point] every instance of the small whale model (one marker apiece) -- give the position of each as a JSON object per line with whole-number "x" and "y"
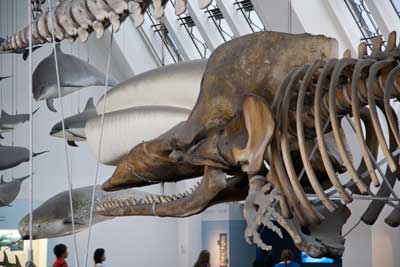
{"x": 9, "y": 190}
{"x": 74, "y": 73}
{"x": 75, "y": 125}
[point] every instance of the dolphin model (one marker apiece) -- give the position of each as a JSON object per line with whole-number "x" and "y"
{"x": 75, "y": 125}
{"x": 74, "y": 74}
{"x": 53, "y": 218}
{"x": 10, "y": 122}
{"x": 9, "y": 190}
{"x": 123, "y": 129}
{"x": 11, "y": 156}
{"x": 176, "y": 85}
{"x": 23, "y": 51}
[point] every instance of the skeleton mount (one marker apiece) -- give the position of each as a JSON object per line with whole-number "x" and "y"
{"x": 312, "y": 101}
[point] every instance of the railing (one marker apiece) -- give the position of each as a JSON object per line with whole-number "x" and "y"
{"x": 168, "y": 43}
{"x": 396, "y": 6}
{"x": 215, "y": 14}
{"x": 364, "y": 20}
{"x": 246, "y": 8}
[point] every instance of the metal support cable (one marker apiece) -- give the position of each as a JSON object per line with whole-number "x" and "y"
{"x": 30, "y": 96}
{"x": 69, "y": 178}
{"x": 98, "y": 152}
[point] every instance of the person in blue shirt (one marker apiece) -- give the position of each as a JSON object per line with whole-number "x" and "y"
{"x": 287, "y": 259}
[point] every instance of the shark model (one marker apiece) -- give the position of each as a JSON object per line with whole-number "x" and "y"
{"x": 9, "y": 190}
{"x": 74, "y": 73}
{"x": 10, "y": 122}
{"x": 11, "y": 156}
{"x": 75, "y": 125}
{"x": 53, "y": 217}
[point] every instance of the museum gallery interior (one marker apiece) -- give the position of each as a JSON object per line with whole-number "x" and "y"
{"x": 215, "y": 133}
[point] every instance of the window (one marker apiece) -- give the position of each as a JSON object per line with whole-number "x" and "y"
{"x": 364, "y": 20}
{"x": 246, "y": 7}
{"x": 215, "y": 14}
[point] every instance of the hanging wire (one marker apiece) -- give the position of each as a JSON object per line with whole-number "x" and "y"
{"x": 12, "y": 78}
{"x": 16, "y": 61}
{"x": 290, "y": 16}
{"x": 69, "y": 178}
{"x": 30, "y": 96}
{"x": 163, "y": 41}
{"x": 98, "y": 151}
{"x": 1, "y": 68}
{"x": 352, "y": 228}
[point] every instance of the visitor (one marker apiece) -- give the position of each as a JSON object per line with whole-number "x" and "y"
{"x": 99, "y": 256}
{"x": 61, "y": 252}
{"x": 287, "y": 259}
{"x": 203, "y": 260}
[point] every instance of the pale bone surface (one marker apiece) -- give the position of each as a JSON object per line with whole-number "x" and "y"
{"x": 78, "y": 18}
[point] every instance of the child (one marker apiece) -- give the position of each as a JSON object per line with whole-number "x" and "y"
{"x": 61, "y": 253}
{"x": 99, "y": 257}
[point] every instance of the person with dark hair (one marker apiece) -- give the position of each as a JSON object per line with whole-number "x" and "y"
{"x": 61, "y": 253}
{"x": 287, "y": 259}
{"x": 203, "y": 260}
{"x": 99, "y": 256}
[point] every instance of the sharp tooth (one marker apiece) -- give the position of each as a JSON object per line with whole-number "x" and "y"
{"x": 174, "y": 197}
{"x": 192, "y": 190}
{"x": 181, "y": 195}
{"x": 154, "y": 199}
{"x": 158, "y": 198}
{"x": 168, "y": 198}
{"x": 108, "y": 204}
{"x": 126, "y": 203}
{"x": 148, "y": 200}
{"x": 163, "y": 199}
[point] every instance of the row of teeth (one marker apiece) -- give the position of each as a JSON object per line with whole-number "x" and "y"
{"x": 147, "y": 200}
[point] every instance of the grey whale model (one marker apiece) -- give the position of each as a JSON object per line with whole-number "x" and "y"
{"x": 9, "y": 190}
{"x": 12, "y": 156}
{"x": 75, "y": 74}
{"x": 53, "y": 218}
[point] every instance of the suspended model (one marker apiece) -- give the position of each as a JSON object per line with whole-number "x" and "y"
{"x": 259, "y": 105}
{"x": 9, "y": 190}
{"x": 75, "y": 74}
{"x": 53, "y": 218}
{"x": 9, "y": 122}
{"x": 153, "y": 88}
{"x": 75, "y": 125}
{"x": 11, "y": 156}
